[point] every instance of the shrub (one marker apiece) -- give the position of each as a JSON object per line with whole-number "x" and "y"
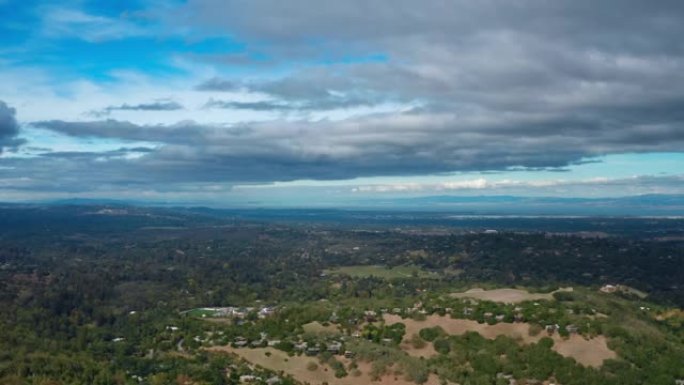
{"x": 417, "y": 342}
{"x": 442, "y": 346}
{"x": 429, "y": 334}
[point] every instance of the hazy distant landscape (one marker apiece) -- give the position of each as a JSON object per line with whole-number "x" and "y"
{"x": 116, "y": 294}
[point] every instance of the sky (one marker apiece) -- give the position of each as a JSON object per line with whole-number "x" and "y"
{"x": 310, "y": 102}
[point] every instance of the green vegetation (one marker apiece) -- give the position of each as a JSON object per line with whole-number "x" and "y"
{"x": 430, "y": 334}
{"x": 90, "y": 300}
{"x": 385, "y": 272}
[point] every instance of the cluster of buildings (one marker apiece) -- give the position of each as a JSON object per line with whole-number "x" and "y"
{"x": 241, "y": 342}
{"x": 239, "y": 312}
{"x": 333, "y": 347}
{"x": 553, "y": 328}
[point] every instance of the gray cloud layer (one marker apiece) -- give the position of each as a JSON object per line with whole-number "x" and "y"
{"x": 155, "y": 106}
{"x": 383, "y": 144}
{"x": 317, "y": 89}
{"x": 486, "y": 85}
{"x": 9, "y": 128}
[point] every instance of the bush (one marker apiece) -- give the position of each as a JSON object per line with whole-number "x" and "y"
{"x": 429, "y": 334}
{"x": 417, "y": 342}
{"x": 564, "y": 296}
{"x": 312, "y": 366}
{"x": 442, "y": 346}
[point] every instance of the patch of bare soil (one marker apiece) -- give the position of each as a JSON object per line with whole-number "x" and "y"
{"x": 506, "y": 295}
{"x": 296, "y": 367}
{"x": 590, "y": 352}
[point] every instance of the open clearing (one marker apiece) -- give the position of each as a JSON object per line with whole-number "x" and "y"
{"x": 361, "y": 271}
{"x": 586, "y": 352}
{"x": 507, "y": 295}
{"x": 296, "y": 366}
{"x": 318, "y": 328}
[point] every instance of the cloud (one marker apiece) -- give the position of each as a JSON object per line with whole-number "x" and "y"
{"x": 218, "y": 84}
{"x": 332, "y": 102}
{"x": 155, "y": 106}
{"x": 315, "y": 89}
{"x": 387, "y": 88}
{"x": 75, "y": 23}
{"x": 643, "y": 184}
{"x": 255, "y": 106}
{"x": 492, "y": 85}
{"x": 394, "y": 144}
{"x": 9, "y": 128}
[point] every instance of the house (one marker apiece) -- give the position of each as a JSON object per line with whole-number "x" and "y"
{"x": 335, "y": 347}
{"x": 488, "y": 314}
{"x": 249, "y": 378}
{"x": 608, "y": 289}
{"x": 301, "y": 346}
{"x": 240, "y": 342}
{"x": 273, "y": 380}
{"x": 371, "y": 316}
{"x": 313, "y": 351}
{"x": 350, "y": 354}
{"x": 467, "y": 311}
{"x": 500, "y": 317}
{"x": 518, "y": 317}
{"x": 551, "y": 328}
{"x": 273, "y": 342}
{"x": 266, "y": 311}
{"x": 572, "y": 329}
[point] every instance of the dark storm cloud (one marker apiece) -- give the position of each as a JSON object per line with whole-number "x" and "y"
{"x": 9, "y": 128}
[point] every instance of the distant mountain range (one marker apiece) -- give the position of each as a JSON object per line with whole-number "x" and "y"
{"x": 641, "y": 205}
{"x": 644, "y": 205}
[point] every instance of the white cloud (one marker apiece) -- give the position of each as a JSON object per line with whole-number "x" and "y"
{"x": 74, "y": 23}
{"x": 503, "y": 185}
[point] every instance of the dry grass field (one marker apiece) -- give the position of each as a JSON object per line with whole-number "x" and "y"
{"x": 296, "y": 367}
{"x": 586, "y": 352}
{"x": 320, "y": 329}
{"x": 506, "y": 295}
